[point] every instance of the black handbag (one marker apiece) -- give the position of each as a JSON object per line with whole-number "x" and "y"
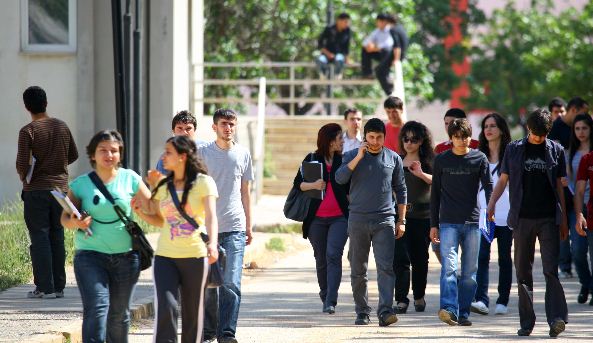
{"x": 139, "y": 241}
{"x": 216, "y": 271}
{"x": 297, "y": 203}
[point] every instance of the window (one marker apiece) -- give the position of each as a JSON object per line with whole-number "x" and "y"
{"x": 48, "y": 26}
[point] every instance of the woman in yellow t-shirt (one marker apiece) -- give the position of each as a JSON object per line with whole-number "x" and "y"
{"x": 181, "y": 259}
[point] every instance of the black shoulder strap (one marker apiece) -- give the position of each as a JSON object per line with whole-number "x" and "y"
{"x": 495, "y": 170}
{"x": 101, "y": 187}
{"x": 184, "y": 214}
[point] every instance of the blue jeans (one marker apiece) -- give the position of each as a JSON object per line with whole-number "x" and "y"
{"x": 504, "y": 237}
{"x": 579, "y": 246}
{"x": 328, "y": 237}
{"x": 106, "y": 283}
{"x": 322, "y": 64}
{"x": 457, "y": 295}
{"x": 222, "y": 304}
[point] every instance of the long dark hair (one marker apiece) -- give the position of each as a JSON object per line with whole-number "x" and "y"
{"x": 327, "y": 133}
{"x": 505, "y": 135}
{"x": 426, "y": 150}
{"x": 574, "y": 142}
{"x": 193, "y": 165}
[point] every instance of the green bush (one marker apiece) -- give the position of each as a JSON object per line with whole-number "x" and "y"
{"x": 287, "y": 228}
{"x": 275, "y": 244}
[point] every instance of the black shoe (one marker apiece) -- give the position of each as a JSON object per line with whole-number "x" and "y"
{"x": 523, "y": 332}
{"x": 420, "y": 305}
{"x": 557, "y": 327}
{"x": 400, "y": 308}
{"x": 591, "y": 301}
{"x": 362, "y": 319}
{"x": 583, "y": 295}
{"x": 464, "y": 322}
{"x": 329, "y": 309}
{"x": 448, "y": 317}
{"x": 227, "y": 339}
{"x": 387, "y": 318}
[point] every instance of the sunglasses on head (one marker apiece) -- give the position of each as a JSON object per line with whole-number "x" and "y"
{"x": 413, "y": 140}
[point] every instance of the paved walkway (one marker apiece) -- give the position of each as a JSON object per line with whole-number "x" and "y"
{"x": 281, "y": 304}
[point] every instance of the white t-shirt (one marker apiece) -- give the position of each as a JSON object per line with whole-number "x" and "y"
{"x": 351, "y": 143}
{"x": 502, "y": 205}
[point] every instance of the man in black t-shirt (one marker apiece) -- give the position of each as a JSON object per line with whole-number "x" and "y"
{"x": 334, "y": 45}
{"x": 533, "y": 167}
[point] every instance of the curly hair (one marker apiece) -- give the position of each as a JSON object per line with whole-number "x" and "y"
{"x": 193, "y": 165}
{"x": 505, "y": 135}
{"x": 426, "y": 150}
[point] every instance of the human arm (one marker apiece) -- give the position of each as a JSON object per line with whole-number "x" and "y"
{"x": 23, "y": 156}
{"x": 146, "y": 207}
{"x": 209, "y": 203}
{"x": 70, "y": 221}
{"x": 350, "y": 161}
{"x": 435, "y": 201}
{"x": 306, "y": 186}
{"x": 246, "y": 201}
{"x": 398, "y": 184}
{"x": 416, "y": 170}
{"x": 72, "y": 150}
{"x": 503, "y": 179}
{"x": 563, "y": 223}
{"x": 581, "y": 222}
{"x": 486, "y": 178}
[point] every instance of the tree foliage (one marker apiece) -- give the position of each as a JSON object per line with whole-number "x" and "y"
{"x": 526, "y": 57}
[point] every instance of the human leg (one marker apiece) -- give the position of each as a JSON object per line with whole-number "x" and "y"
{"x": 123, "y": 275}
{"x": 383, "y": 69}
{"x": 193, "y": 272}
{"x": 401, "y": 269}
{"x": 418, "y": 247}
{"x": 470, "y": 249}
{"x": 358, "y": 254}
{"x": 482, "y": 276}
{"x": 383, "y": 242}
{"x": 229, "y": 294}
{"x": 449, "y": 237}
{"x": 504, "y": 239}
{"x": 524, "y": 236}
{"x": 166, "y": 278}
{"x": 336, "y": 240}
{"x": 318, "y": 232}
{"x": 322, "y": 62}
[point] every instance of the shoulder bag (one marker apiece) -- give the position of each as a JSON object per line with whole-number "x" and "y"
{"x": 139, "y": 241}
{"x": 297, "y": 202}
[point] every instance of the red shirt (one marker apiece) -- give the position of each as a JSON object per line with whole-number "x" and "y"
{"x": 585, "y": 173}
{"x": 442, "y": 147}
{"x": 329, "y": 206}
{"x": 392, "y": 136}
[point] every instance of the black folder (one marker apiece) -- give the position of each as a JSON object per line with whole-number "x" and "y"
{"x": 313, "y": 171}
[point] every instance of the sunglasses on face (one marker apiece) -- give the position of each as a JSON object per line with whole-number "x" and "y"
{"x": 412, "y": 140}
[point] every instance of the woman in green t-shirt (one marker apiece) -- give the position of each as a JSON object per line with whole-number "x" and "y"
{"x": 105, "y": 265}
{"x": 181, "y": 259}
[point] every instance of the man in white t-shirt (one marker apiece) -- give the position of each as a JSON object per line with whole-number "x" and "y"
{"x": 352, "y": 136}
{"x": 229, "y": 164}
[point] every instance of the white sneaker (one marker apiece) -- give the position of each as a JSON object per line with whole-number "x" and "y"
{"x": 479, "y": 307}
{"x": 501, "y": 309}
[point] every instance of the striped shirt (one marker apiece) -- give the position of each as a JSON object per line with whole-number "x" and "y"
{"x": 50, "y": 142}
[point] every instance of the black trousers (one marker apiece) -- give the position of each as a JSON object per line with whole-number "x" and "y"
{"x": 173, "y": 276}
{"x": 548, "y": 234}
{"x": 385, "y": 58}
{"x": 412, "y": 249}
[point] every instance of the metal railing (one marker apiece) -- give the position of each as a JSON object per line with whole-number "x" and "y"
{"x": 292, "y": 82}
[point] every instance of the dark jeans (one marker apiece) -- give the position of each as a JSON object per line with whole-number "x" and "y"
{"x": 328, "y": 237}
{"x": 504, "y": 237}
{"x": 379, "y": 233}
{"x": 172, "y": 277}
{"x": 48, "y": 256}
{"x": 106, "y": 283}
{"x": 385, "y": 58}
{"x": 222, "y": 303}
{"x": 525, "y": 234}
{"x": 411, "y": 249}
{"x": 579, "y": 246}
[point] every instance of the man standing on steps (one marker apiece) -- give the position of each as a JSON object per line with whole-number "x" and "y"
{"x": 533, "y": 167}
{"x": 230, "y": 166}
{"x": 375, "y": 174}
{"x": 352, "y": 137}
{"x": 45, "y": 150}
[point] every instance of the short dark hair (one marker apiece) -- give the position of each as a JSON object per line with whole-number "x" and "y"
{"x": 224, "y": 113}
{"x": 343, "y": 15}
{"x": 576, "y": 102}
{"x": 393, "y": 102}
{"x": 35, "y": 99}
{"x": 455, "y": 113}
{"x": 539, "y": 122}
{"x": 327, "y": 133}
{"x": 101, "y": 136}
{"x": 350, "y": 110}
{"x": 459, "y": 127}
{"x": 184, "y": 117}
{"x": 382, "y": 16}
{"x": 556, "y": 102}
{"x": 374, "y": 125}
{"x": 392, "y": 18}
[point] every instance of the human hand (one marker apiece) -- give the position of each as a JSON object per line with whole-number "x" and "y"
{"x": 400, "y": 230}
{"x": 564, "y": 181}
{"x": 490, "y": 212}
{"x": 319, "y": 185}
{"x": 581, "y": 225}
{"x": 563, "y": 230}
{"x": 362, "y": 149}
{"x": 416, "y": 168}
{"x": 248, "y": 236}
{"x": 212, "y": 253}
{"x": 434, "y": 235}
{"x": 153, "y": 177}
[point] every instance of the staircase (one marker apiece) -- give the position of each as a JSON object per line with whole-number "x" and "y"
{"x": 288, "y": 140}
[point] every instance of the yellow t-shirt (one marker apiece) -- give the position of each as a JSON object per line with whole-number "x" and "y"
{"x": 178, "y": 238}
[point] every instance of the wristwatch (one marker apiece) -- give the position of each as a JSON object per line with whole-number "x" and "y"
{"x": 402, "y": 221}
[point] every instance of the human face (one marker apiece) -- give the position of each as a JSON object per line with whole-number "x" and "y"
{"x": 107, "y": 155}
{"x": 183, "y": 129}
{"x": 411, "y": 143}
{"x": 381, "y": 24}
{"x": 342, "y": 24}
{"x": 558, "y": 111}
{"x": 337, "y": 144}
{"x": 582, "y": 131}
{"x": 172, "y": 160}
{"x": 535, "y": 139}
{"x": 225, "y": 129}
{"x": 460, "y": 142}
{"x": 491, "y": 130}
{"x": 354, "y": 121}
{"x": 394, "y": 115}
{"x": 375, "y": 141}
{"x": 448, "y": 121}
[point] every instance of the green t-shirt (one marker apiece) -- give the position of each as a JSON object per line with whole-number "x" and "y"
{"x": 109, "y": 233}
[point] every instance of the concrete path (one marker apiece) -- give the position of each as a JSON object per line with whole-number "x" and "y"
{"x": 280, "y": 304}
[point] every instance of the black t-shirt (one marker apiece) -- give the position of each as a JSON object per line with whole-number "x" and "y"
{"x": 538, "y": 200}
{"x": 560, "y": 132}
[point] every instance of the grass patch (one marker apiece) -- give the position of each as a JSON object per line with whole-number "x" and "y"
{"x": 288, "y": 228}
{"x": 275, "y": 244}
